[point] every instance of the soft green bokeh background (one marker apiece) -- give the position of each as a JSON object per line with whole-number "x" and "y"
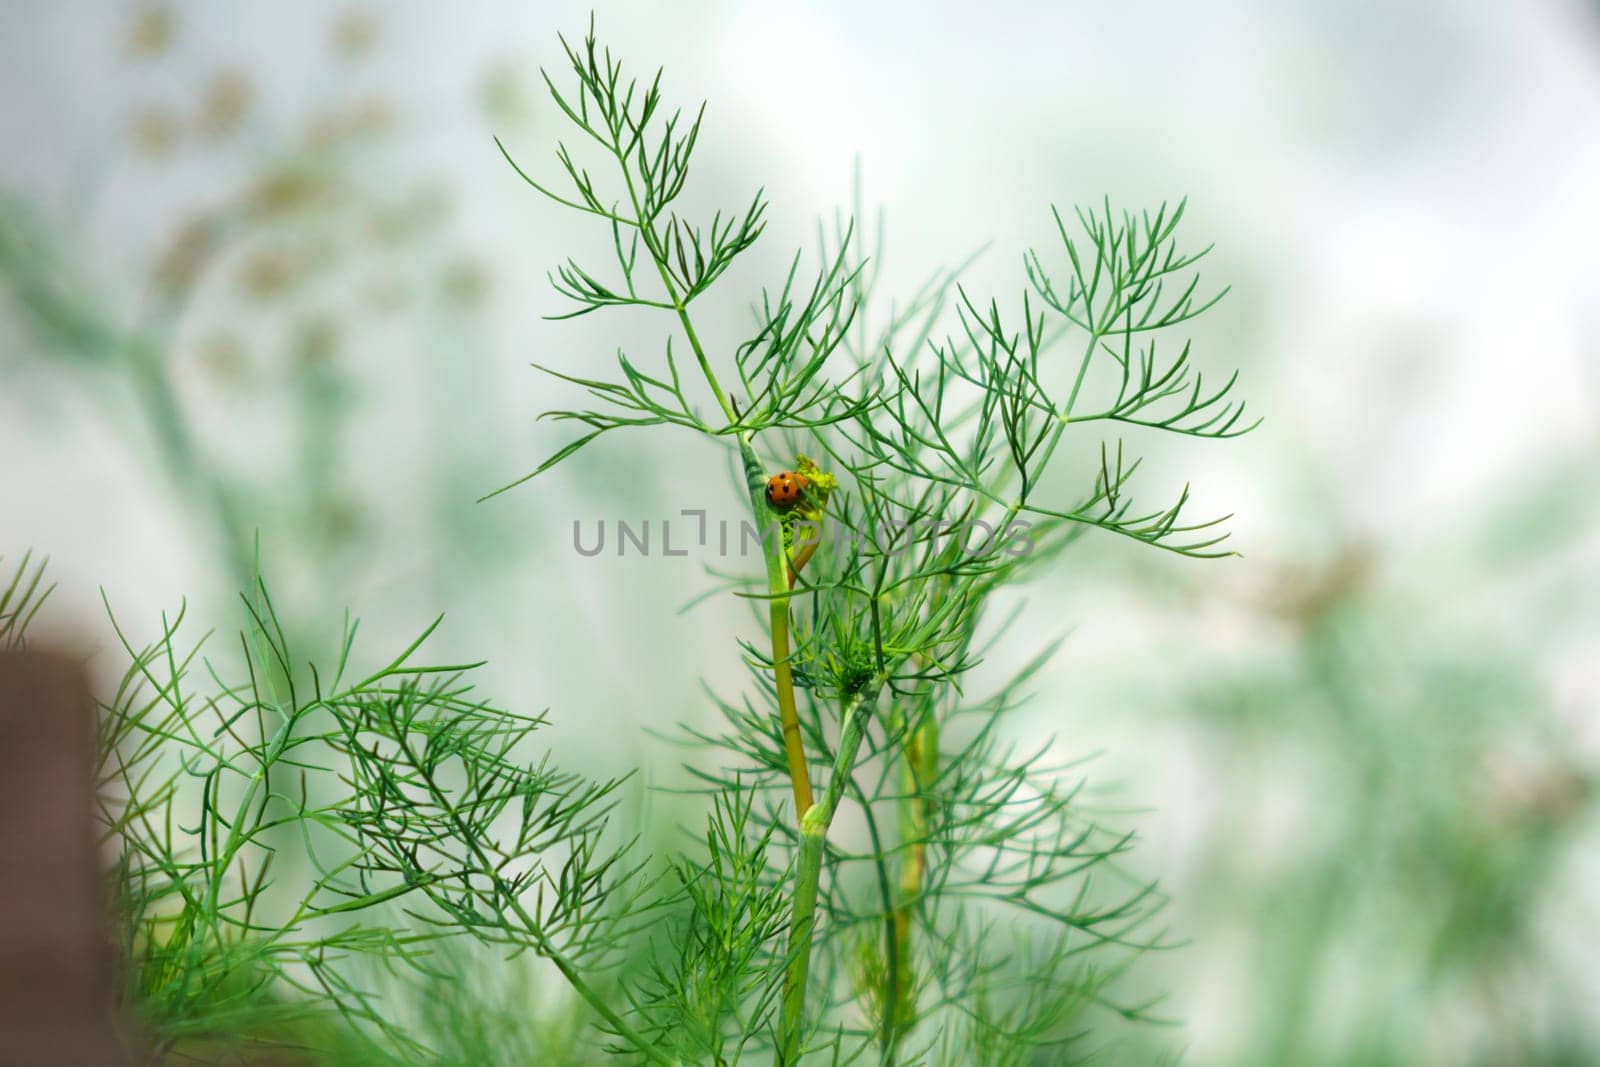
{"x": 1362, "y": 756}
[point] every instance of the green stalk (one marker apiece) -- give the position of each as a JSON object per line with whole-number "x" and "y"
{"x": 778, "y": 618}
{"x": 755, "y": 476}
{"x": 918, "y": 767}
{"x": 813, "y": 819}
{"x": 892, "y": 968}
{"x": 814, "y": 826}
{"x": 658, "y": 255}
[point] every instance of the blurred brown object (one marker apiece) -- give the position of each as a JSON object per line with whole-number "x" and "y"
{"x": 151, "y": 32}
{"x": 1306, "y": 596}
{"x": 156, "y": 132}
{"x": 354, "y": 33}
{"x": 55, "y": 964}
{"x": 226, "y": 102}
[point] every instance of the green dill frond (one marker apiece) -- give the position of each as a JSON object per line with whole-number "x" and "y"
{"x": 273, "y": 842}
{"x": 21, "y": 598}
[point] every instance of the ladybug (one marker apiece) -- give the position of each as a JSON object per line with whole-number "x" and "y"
{"x": 784, "y": 490}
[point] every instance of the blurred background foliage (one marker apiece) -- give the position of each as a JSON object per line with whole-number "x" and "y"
{"x": 269, "y": 289}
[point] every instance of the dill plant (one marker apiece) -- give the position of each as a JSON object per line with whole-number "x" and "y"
{"x": 963, "y": 921}
{"x": 398, "y": 783}
{"x": 21, "y": 599}
{"x": 882, "y": 874}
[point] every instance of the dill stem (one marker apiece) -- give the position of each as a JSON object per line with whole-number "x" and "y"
{"x": 917, "y": 769}
{"x": 658, "y": 256}
{"x": 889, "y": 1038}
{"x": 778, "y": 619}
{"x": 778, "y": 579}
{"x": 814, "y": 826}
{"x": 777, "y": 566}
{"x": 788, "y": 714}
{"x": 699, "y": 350}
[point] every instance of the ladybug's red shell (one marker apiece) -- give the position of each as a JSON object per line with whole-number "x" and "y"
{"x": 784, "y": 490}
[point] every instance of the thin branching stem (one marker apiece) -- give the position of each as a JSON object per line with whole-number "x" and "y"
{"x": 814, "y": 827}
